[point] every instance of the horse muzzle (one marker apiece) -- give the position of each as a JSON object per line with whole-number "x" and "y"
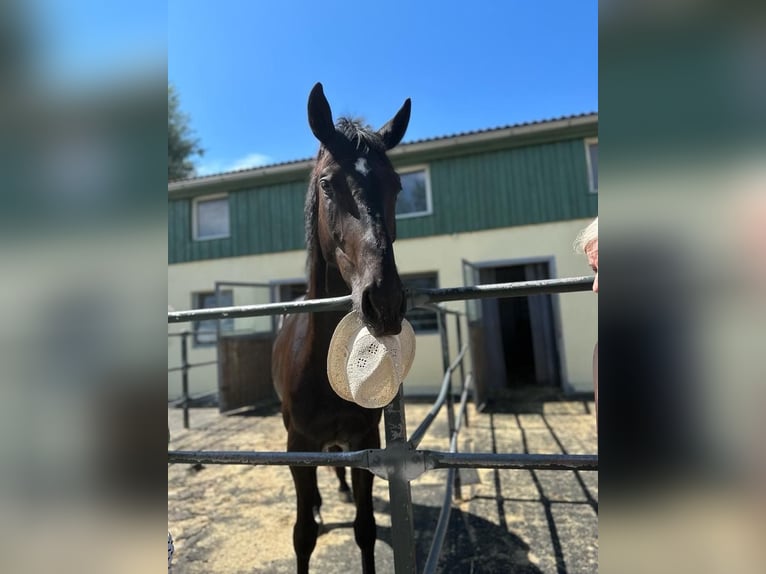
{"x": 383, "y": 309}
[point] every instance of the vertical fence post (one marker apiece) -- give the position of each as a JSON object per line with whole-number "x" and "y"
{"x": 400, "y": 495}
{"x": 450, "y": 401}
{"x": 442, "y": 322}
{"x": 185, "y": 376}
{"x": 459, "y": 330}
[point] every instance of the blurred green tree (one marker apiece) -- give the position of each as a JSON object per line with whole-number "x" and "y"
{"x": 182, "y": 145}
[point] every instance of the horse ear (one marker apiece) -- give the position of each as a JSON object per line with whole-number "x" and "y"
{"x": 393, "y": 132}
{"x": 320, "y": 116}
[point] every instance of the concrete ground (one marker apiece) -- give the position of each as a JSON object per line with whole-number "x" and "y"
{"x": 237, "y": 519}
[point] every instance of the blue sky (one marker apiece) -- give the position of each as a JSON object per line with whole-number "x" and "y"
{"x": 86, "y": 42}
{"x": 244, "y": 69}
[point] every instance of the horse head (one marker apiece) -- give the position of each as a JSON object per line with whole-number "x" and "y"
{"x": 355, "y": 187}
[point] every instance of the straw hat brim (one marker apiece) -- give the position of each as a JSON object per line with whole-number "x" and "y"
{"x": 338, "y": 353}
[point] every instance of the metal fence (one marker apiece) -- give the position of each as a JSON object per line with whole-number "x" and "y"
{"x": 400, "y": 461}
{"x": 186, "y": 399}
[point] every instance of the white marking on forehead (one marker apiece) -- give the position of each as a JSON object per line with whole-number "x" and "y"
{"x": 361, "y": 166}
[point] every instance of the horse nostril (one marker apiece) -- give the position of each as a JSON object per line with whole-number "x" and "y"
{"x": 382, "y": 310}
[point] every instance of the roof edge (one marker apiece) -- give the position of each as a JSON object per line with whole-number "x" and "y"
{"x": 523, "y": 134}
{"x": 275, "y": 171}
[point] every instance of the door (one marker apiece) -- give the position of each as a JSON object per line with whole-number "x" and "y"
{"x": 543, "y": 329}
{"x": 244, "y": 350}
{"x": 484, "y": 339}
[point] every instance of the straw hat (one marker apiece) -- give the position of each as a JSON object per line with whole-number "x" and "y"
{"x": 368, "y": 370}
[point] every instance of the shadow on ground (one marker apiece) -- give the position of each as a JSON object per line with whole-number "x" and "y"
{"x": 472, "y": 544}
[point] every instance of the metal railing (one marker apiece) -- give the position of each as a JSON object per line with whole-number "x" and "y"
{"x": 400, "y": 461}
{"x": 186, "y": 399}
{"x": 416, "y": 298}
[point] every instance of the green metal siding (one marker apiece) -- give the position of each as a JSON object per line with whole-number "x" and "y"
{"x": 262, "y": 220}
{"x": 521, "y": 186}
{"x": 518, "y": 186}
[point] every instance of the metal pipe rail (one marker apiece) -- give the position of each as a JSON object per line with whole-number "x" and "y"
{"x": 197, "y": 332}
{"x": 441, "y": 309}
{"x": 376, "y": 460}
{"x": 415, "y": 298}
{"x": 516, "y": 289}
{"x": 517, "y": 461}
{"x": 191, "y": 398}
{"x": 354, "y": 459}
{"x": 190, "y": 365}
{"x": 263, "y": 310}
{"x": 417, "y": 436}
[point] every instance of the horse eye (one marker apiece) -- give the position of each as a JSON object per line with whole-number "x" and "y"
{"x": 325, "y": 185}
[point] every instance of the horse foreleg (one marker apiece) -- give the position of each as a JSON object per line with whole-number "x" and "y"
{"x": 344, "y": 492}
{"x": 306, "y": 529}
{"x": 365, "y": 531}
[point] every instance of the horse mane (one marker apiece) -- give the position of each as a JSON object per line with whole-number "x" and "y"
{"x": 365, "y": 141}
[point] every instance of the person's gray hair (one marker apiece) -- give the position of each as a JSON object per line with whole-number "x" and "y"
{"x": 586, "y": 237}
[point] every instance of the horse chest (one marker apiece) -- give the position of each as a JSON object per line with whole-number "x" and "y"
{"x": 329, "y": 420}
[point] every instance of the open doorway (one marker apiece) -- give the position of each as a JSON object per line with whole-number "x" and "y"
{"x": 528, "y": 329}
{"x": 515, "y": 331}
{"x": 517, "y": 337}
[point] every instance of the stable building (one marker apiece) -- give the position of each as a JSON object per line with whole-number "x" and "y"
{"x": 490, "y": 206}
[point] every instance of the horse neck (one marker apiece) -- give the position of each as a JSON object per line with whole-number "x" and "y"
{"x": 324, "y": 281}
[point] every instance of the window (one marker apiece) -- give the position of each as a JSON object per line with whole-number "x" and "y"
{"x": 422, "y": 320}
{"x": 415, "y": 197}
{"x": 591, "y": 155}
{"x": 291, "y": 291}
{"x": 205, "y": 331}
{"x": 286, "y": 291}
{"x": 210, "y": 217}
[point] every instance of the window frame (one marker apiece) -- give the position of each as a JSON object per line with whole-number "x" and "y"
{"x": 195, "y": 297}
{"x": 418, "y": 275}
{"x": 277, "y": 285}
{"x": 588, "y": 143}
{"x": 429, "y": 203}
{"x": 195, "y": 220}
{"x": 276, "y": 297}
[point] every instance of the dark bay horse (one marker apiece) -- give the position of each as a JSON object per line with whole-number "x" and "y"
{"x": 350, "y": 230}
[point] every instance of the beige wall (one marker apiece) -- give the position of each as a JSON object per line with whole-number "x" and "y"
{"x": 187, "y": 278}
{"x": 443, "y": 254}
